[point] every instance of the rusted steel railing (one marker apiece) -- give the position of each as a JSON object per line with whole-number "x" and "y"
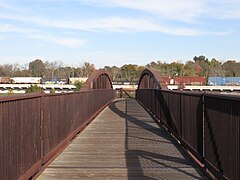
{"x": 33, "y": 128}
{"x": 20, "y": 139}
{"x": 180, "y": 112}
{"x": 207, "y": 125}
{"x": 125, "y": 93}
{"x": 222, "y": 135}
{"x": 65, "y": 115}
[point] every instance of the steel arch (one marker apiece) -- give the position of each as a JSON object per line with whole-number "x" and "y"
{"x": 150, "y": 79}
{"x": 98, "y": 80}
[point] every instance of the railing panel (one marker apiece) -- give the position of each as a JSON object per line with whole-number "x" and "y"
{"x": 208, "y": 125}
{"x": 160, "y": 106}
{"x": 192, "y": 123}
{"x": 142, "y": 95}
{"x": 182, "y": 113}
{"x": 56, "y": 125}
{"x": 20, "y": 147}
{"x": 65, "y": 113}
{"x": 34, "y": 127}
{"x": 162, "y": 98}
{"x": 222, "y": 136}
{"x": 174, "y": 112}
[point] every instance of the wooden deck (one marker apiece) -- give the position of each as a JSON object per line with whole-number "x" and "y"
{"x": 123, "y": 142}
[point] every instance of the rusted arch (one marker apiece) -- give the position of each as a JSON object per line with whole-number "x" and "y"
{"x": 150, "y": 79}
{"x": 98, "y": 80}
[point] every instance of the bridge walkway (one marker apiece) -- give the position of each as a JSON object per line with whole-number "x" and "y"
{"x": 123, "y": 142}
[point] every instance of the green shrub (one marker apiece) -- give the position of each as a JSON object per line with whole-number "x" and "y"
{"x": 52, "y": 91}
{"x": 34, "y": 88}
{"x": 78, "y": 85}
{"x": 10, "y": 92}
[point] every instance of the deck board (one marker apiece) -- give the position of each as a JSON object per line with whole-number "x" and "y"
{"x": 123, "y": 142}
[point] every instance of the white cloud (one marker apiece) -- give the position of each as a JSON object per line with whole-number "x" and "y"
{"x": 181, "y": 10}
{"x": 178, "y": 10}
{"x": 223, "y": 9}
{"x": 110, "y": 24}
{"x": 4, "y": 5}
{"x": 8, "y": 28}
{"x": 68, "y": 42}
{"x": 36, "y": 34}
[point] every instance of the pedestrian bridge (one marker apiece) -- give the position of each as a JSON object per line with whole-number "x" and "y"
{"x": 123, "y": 142}
{"x": 93, "y": 134}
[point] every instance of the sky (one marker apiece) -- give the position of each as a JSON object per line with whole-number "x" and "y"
{"x": 118, "y": 32}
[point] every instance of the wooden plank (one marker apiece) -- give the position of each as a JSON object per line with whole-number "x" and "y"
{"x": 123, "y": 142}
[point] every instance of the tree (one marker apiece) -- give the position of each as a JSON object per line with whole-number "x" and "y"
{"x": 232, "y": 68}
{"x": 215, "y": 68}
{"x": 51, "y": 68}
{"x": 139, "y": 71}
{"x": 20, "y": 71}
{"x": 201, "y": 66}
{"x": 37, "y": 68}
{"x": 176, "y": 69}
{"x": 64, "y": 72}
{"x": 6, "y": 70}
{"x": 188, "y": 69}
{"x": 87, "y": 69}
{"x": 129, "y": 72}
{"x": 78, "y": 72}
{"x": 115, "y": 72}
{"x": 157, "y": 66}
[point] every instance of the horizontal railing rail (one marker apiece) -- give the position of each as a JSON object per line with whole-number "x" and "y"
{"x": 33, "y": 128}
{"x": 207, "y": 125}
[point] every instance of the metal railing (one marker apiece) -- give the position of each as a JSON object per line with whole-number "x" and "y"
{"x": 205, "y": 124}
{"x": 222, "y": 135}
{"x": 125, "y": 93}
{"x": 34, "y": 127}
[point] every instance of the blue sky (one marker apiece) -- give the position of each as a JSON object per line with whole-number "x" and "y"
{"x": 117, "y": 32}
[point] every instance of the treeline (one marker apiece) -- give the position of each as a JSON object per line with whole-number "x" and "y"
{"x": 38, "y": 68}
{"x": 198, "y": 66}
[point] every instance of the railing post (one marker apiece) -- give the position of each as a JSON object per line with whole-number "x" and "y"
{"x": 42, "y": 126}
{"x": 203, "y": 128}
{"x": 180, "y": 133}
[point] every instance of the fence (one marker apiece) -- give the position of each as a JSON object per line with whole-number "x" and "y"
{"x": 207, "y": 125}
{"x": 34, "y": 127}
